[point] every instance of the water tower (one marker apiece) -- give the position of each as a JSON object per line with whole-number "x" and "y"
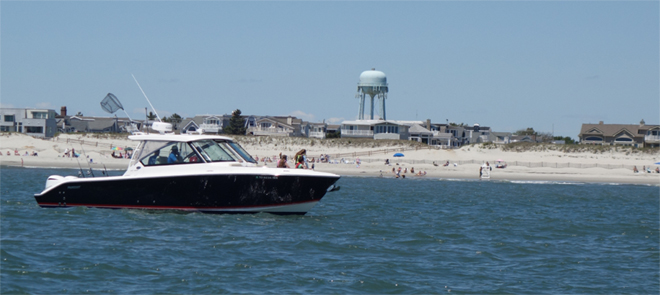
{"x": 374, "y": 84}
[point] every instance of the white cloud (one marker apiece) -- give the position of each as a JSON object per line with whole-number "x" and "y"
{"x": 334, "y": 120}
{"x": 302, "y": 115}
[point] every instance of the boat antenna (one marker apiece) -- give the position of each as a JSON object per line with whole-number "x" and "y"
{"x": 145, "y": 96}
{"x": 88, "y": 165}
{"x": 80, "y": 173}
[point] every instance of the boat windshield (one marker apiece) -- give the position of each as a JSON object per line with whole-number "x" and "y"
{"x": 239, "y": 149}
{"x": 214, "y": 152}
{"x": 169, "y": 153}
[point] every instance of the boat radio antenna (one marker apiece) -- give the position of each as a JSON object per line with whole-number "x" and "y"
{"x": 145, "y": 96}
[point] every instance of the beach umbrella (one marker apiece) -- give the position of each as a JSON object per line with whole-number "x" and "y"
{"x": 116, "y": 148}
{"x": 129, "y": 148}
{"x": 657, "y": 163}
{"x": 500, "y": 160}
{"x": 398, "y": 155}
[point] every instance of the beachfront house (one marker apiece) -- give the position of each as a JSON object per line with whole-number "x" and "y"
{"x": 276, "y": 126}
{"x": 315, "y": 130}
{"x": 211, "y": 124}
{"x": 33, "y": 122}
{"x": 637, "y": 135}
{"x": 377, "y": 129}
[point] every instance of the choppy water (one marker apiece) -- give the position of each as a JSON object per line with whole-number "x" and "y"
{"x": 373, "y": 236}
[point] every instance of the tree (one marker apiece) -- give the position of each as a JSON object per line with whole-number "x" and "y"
{"x": 236, "y": 124}
{"x": 151, "y": 116}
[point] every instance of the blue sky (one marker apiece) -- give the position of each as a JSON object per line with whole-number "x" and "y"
{"x": 509, "y": 65}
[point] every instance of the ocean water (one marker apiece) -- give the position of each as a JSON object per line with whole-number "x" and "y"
{"x": 375, "y": 235}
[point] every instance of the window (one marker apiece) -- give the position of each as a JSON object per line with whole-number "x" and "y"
{"x": 623, "y": 139}
{"x": 214, "y": 152}
{"x": 169, "y": 154}
{"x": 31, "y": 129}
{"x": 593, "y": 138}
{"x": 10, "y": 118}
{"x": 265, "y": 125}
{"x": 39, "y": 115}
{"x": 239, "y": 149}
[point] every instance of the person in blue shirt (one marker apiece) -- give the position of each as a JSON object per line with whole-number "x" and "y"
{"x": 174, "y": 157}
{"x": 154, "y": 158}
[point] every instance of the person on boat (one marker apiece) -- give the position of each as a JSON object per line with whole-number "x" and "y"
{"x": 174, "y": 157}
{"x": 282, "y": 162}
{"x": 154, "y": 158}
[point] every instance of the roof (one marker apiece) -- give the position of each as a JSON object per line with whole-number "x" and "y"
{"x": 614, "y": 129}
{"x": 417, "y": 129}
{"x": 176, "y": 137}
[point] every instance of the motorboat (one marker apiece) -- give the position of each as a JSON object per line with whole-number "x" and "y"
{"x": 201, "y": 173}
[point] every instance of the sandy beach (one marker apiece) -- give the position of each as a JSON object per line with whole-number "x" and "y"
{"x": 537, "y": 165}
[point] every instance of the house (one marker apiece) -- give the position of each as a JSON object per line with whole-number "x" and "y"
{"x": 641, "y": 135}
{"x": 501, "y": 137}
{"x": 211, "y": 124}
{"x": 33, "y": 122}
{"x": 522, "y": 138}
{"x": 315, "y": 130}
{"x": 377, "y": 129}
{"x": 94, "y": 124}
{"x": 276, "y": 126}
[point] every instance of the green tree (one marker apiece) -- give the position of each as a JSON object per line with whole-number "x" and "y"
{"x": 236, "y": 124}
{"x": 151, "y": 116}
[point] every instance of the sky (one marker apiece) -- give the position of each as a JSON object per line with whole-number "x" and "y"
{"x": 509, "y": 65}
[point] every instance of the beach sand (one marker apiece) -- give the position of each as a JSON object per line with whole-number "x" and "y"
{"x": 545, "y": 165}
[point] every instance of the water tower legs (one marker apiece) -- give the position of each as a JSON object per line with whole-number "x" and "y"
{"x": 361, "y": 108}
{"x": 372, "y": 107}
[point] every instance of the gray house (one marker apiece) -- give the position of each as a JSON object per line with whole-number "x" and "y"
{"x": 33, "y": 122}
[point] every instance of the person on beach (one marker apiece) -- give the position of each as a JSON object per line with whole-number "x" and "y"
{"x": 387, "y": 162}
{"x": 8, "y": 153}
{"x": 635, "y": 169}
{"x": 480, "y": 171}
{"x": 412, "y": 170}
{"x": 282, "y": 162}
{"x": 405, "y": 170}
{"x": 16, "y": 153}
{"x": 301, "y": 163}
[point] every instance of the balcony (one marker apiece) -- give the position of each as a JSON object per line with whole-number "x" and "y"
{"x": 357, "y": 133}
{"x": 652, "y": 138}
{"x": 269, "y": 131}
{"x": 319, "y": 134}
{"x": 210, "y": 128}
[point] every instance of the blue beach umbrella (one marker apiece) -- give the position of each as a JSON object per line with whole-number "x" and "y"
{"x": 398, "y": 155}
{"x": 657, "y": 163}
